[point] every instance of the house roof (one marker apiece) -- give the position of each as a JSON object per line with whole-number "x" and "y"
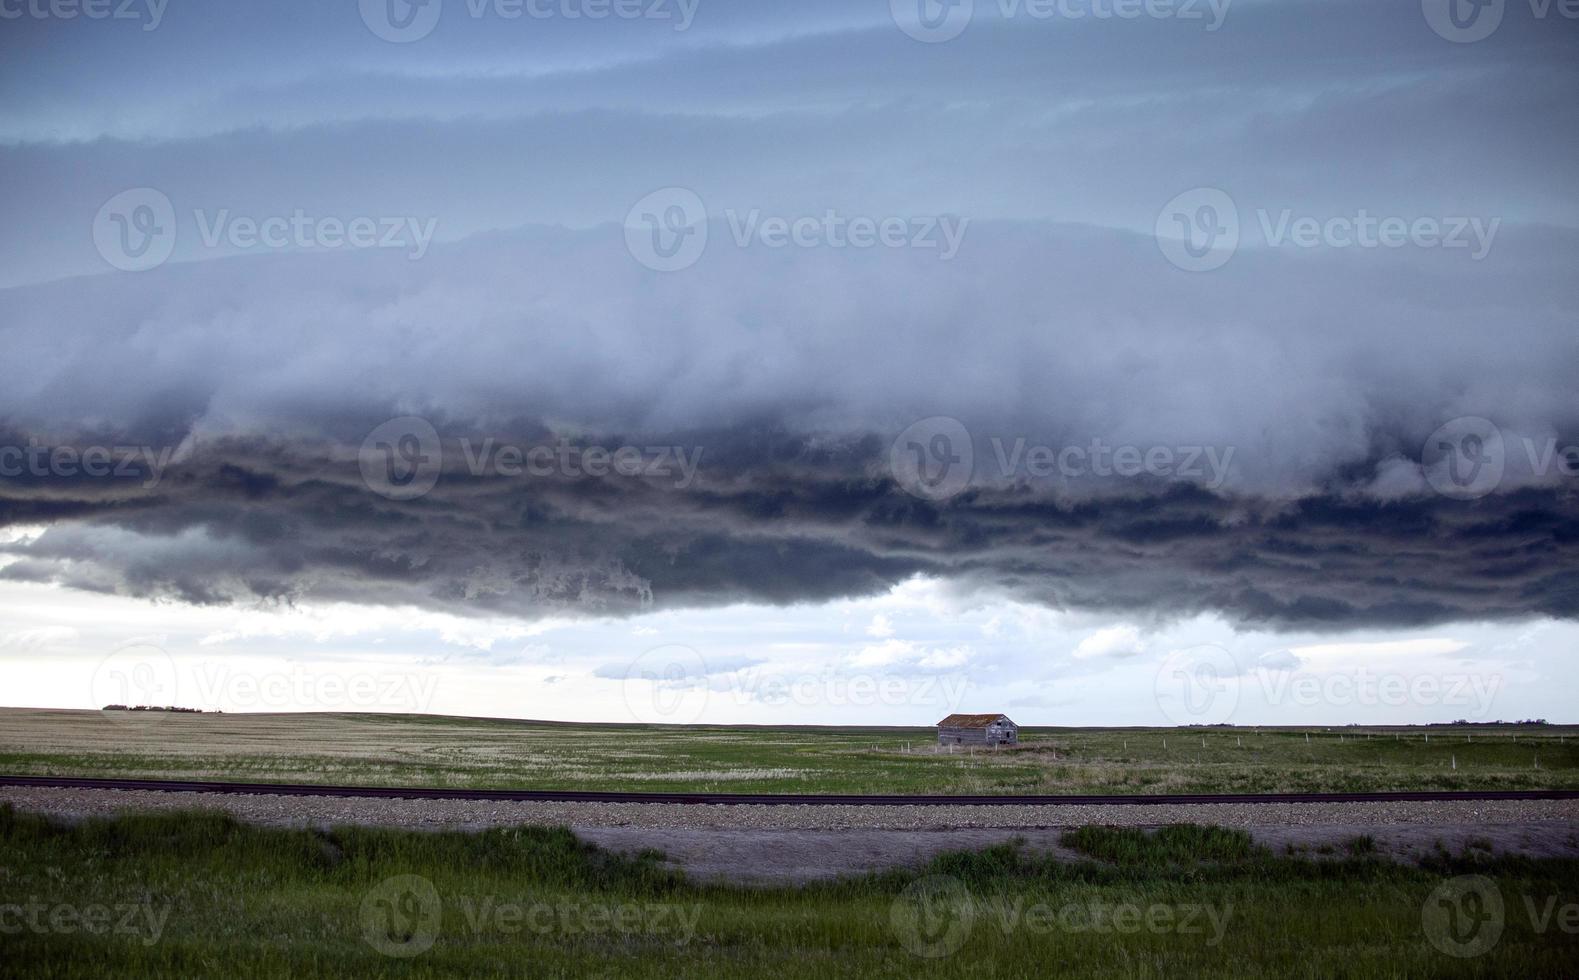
{"x": 971, "y": 721}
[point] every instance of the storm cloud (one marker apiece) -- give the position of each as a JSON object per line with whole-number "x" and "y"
{"x": 1260, "y": 439}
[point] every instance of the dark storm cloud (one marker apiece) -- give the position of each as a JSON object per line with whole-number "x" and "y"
{"x": 799, "y": 521}
{"x": 240, "y": 389}
{"x": 248, "y": 387}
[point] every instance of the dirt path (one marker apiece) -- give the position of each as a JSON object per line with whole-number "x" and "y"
{"x": 793, "y": 856}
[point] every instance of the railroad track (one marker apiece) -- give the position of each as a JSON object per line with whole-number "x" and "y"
{"x": 770, "y": 799}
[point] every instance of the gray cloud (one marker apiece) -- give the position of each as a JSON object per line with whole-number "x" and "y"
{"x": 1321, "y": 371}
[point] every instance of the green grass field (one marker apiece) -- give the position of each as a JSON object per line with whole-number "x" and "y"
{"x": 200, "y": 895}
{"x": 441, "y": 751}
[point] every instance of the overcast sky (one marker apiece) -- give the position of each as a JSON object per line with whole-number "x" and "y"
{"x": 836, "y": 362}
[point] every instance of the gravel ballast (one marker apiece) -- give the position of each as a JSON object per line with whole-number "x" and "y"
{"x": 788, "y": 845}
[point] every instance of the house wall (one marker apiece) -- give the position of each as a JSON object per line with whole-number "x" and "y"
{"x": 977, "y": 736}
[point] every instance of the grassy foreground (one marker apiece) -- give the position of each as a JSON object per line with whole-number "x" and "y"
{"x": 201, "y": 895}
{"x": 440, "y": 751}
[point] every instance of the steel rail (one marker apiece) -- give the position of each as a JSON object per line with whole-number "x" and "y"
{"x": 759, "y": 799}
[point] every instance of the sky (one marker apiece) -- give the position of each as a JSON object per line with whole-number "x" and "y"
{"x": 1094, "y": 361}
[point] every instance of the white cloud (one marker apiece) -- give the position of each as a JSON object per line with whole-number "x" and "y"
{"x": 1113, "y": 641}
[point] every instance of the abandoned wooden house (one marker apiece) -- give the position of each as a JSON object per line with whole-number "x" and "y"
{"x": 978, "y": 730}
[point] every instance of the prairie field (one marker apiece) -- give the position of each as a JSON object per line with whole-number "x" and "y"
{"x": 199, "y": 895}
{"x": 369, "y": 749}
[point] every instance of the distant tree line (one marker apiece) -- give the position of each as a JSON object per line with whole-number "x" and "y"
{"x": 155, "y": 707}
